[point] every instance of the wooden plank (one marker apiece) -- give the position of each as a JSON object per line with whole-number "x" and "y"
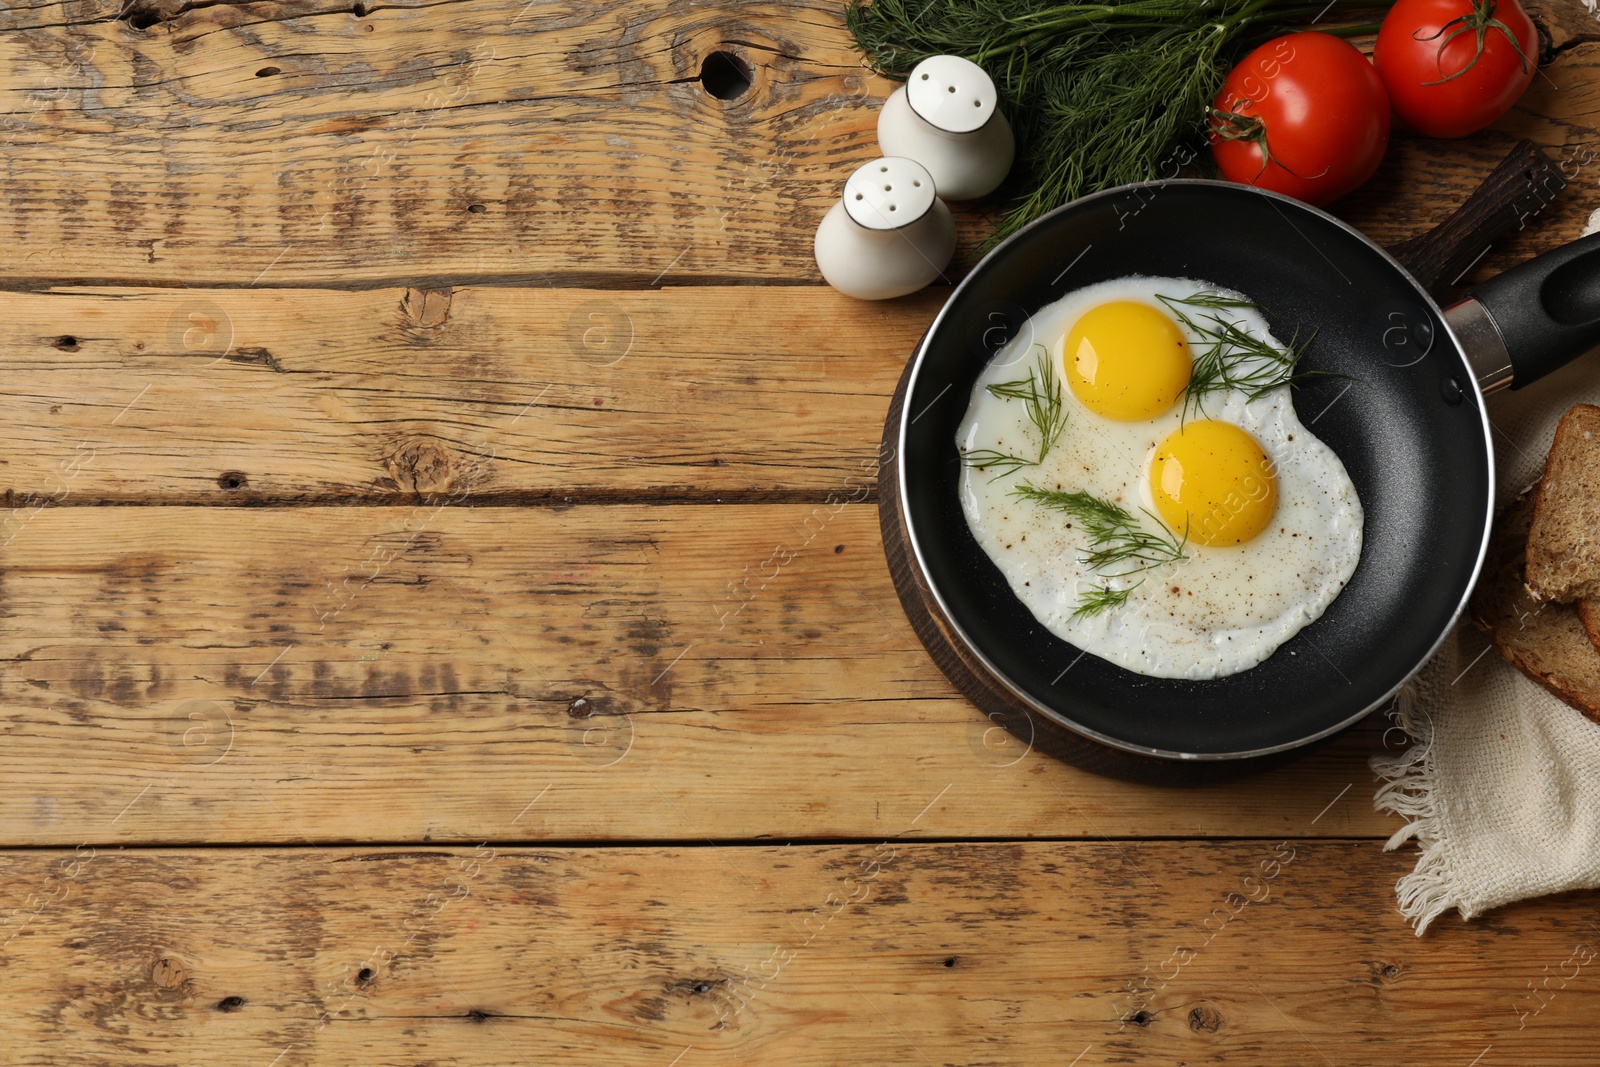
{"x": 647, "y": 673}
{"x": 495, "y": 139}
{"x": 479, "y": 394}
{"x": 881, "y": 952}
{"x": 486, "y": 394}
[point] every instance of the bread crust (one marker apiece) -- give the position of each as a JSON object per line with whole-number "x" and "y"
{"x": 1564, "y": 535}
{"x": 1545, "y": 640}
{"x": 1589, "y": 615}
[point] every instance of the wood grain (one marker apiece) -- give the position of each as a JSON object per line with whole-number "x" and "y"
{"x": 450, "y": 143}
{"x": 407, "y": 674}
{"x": 175, "y": 142}
{"x": 880, "y": 952}
{"x": 466, "y": 395}
{"x": 262, "y": 258}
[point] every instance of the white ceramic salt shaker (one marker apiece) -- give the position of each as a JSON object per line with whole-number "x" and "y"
{"x": 890, "y": 235}
{"x": 945, "y": 117}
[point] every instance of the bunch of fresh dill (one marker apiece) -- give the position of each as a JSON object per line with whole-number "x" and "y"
{"x": 1100, "y": 94}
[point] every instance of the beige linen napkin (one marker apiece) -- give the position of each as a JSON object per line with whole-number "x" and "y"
{"x": 1501, "y": 785}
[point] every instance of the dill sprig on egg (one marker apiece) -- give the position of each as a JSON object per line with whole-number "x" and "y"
{"x": 1116, "y": 536}
{"x": 1103, "y": 598}
{"x": 1040, "y": 393}
{"x": 1231, "y": 358}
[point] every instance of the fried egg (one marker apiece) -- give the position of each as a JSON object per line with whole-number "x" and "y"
{"x": 1175, "y": 526}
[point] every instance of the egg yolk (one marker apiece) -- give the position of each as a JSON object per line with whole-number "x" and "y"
{"x": 1126, "y": 360}
{"x": 1212, "y": 480}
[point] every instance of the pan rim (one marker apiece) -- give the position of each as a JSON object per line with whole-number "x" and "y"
{"x": 1026, "y": 698}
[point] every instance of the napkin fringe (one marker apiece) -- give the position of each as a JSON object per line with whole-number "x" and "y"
{"x": 1433, "y": 888}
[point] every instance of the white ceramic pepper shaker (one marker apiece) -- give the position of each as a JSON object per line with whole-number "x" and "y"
{"x": 889, "y": 235}
{"x": 945, "y": 117}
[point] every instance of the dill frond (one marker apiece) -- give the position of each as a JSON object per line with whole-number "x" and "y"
{"x": 1040, "y": 391}
{"x": 1115, "y": 535}
{"x": 1209, "y": 298}
{"x": 1103, "y": 598}
{"x": 991, "y": 459}
{"x": 1231, "y": 358}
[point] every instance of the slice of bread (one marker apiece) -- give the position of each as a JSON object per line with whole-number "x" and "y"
{"x": 1564, "y": 541}
{"x": 1544, "y": 640}
{"x": 1589, "y": 613}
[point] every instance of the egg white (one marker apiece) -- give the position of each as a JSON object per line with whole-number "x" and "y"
{"x": 1221, "y": 611}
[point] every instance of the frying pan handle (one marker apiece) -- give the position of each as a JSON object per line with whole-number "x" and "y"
{"x": 1514, "y": 192}
{"x": 1544, "y": 314}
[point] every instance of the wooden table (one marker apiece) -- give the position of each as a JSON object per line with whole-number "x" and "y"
{"x": 445, "y": 617}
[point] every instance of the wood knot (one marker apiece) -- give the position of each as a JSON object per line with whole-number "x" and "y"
{"x": 726, "y": 75}
{"x": 1205, "y": 1019}
{"x": 143, "y": 14}
{"x": 230, "y": 1004}
{"x": 427, "y": 308}
{"x": 422, "y": 466}
{"x": 169, "y": 973}
{"x": 692, "y": 987}
{"x": 1382, "y": 973}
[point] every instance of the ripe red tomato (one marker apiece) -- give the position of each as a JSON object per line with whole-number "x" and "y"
{"x": 1454, "y": 66}
{"x": 1304, "y": 114}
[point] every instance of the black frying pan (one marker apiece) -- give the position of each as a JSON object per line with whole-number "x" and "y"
{"x": 1408, "y": 422}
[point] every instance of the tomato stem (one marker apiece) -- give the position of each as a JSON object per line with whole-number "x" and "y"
{"x": 1235, "y": 126}
{"x": 1480, "y": 20}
